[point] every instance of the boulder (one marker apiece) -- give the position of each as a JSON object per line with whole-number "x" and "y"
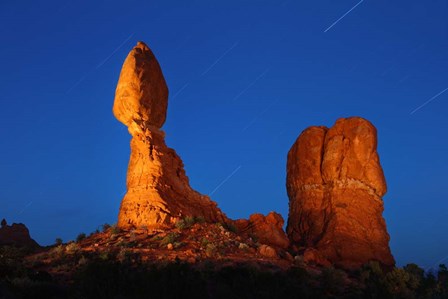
{"x": 266, "y": 229}
{"x": 267, "y": 251}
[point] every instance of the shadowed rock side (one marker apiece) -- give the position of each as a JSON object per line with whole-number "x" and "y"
{"x": 158, "y": 190}
{"x": 16, "y": 234}
{"x": 335, "y": 185}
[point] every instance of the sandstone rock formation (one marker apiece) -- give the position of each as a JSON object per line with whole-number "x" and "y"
{"x": 16, "y": 234}
{"x": 158, "y": 190}
{"x": 266, "y": 229}
{"x": 335, "y": 185}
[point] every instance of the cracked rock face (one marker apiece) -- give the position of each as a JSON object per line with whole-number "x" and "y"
{"x": 335, "y": 185}
{"x": 158, "y": 190}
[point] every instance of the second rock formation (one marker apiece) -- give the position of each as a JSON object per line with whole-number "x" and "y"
{"x": 335, "y": 185}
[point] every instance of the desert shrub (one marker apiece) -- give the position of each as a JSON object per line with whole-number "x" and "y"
{"x": 231, "y": 228}
{"x": 105, "y": 227}
{"x": 332, "y": 281}
{"x": 190, "y": 220}
{"x": 34, "y": 286}
{"x": 72, "y": 248}
{"x": 180, "y": 224}
{"x": 200, "y": 219}
{"x": 253, "y": 237}
{"x": 243, "y": 246}
{"x": 18, "y": 281}
{"x": 416, "y": 277}
{"x": 104, "y": 255}
{"x": 114, "y": 229}
{"x": 442, "y": 279}
{"x": 110, "y": 279}
{"x": 429, "y": 288}
{"x": 397, "y": 282}
{"x": 211, "y": 250}
{"x": 58, "y": 251}
{"x": 186, "y": 222}
{"x": 11, "y": 262}
{"x": 83, "y": 261}
{"x": 156, "y": 238}
{"x": 124, "y": 255}
{"x": 371, "y": 277}
{"x": 169, "y": 238}
{"x": 177, "y": 245}
{"x": 80, "y": 237}
{"x": 58, "y": 241}
{"x": 132, "y": 236}
{"x": 204, "y": 242}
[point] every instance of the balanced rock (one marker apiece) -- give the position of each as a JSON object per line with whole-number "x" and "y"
{"x": 158, "y": 190}
{"x": 335, "y": 185}
{"x": 16, "y": 234}
{"x": 266, "y": 229}
{"x": 141, "y": 95}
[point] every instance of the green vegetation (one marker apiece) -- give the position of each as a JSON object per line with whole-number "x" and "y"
{"x": 204, "y": 242}
{"x": 121, "y": 273}
{"x": 211, "y": 250}
{"x": 105, "y": 227}
{"x": 169, "y": 238}
{"x": 72, "y": 248}
{"x": 114, "y": 230}
{"x": 231, "y": 228}
{"x": 188, "y": 221}
{"x": 228, "y": 226}
{"x": 18, "y": 281}
{"x": 80, "y": 237}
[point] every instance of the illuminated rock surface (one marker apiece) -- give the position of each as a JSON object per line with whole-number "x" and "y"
{"x": 335, "y": 185}
{"x": 266, "y": 229}
{"x": 158, "y": 190}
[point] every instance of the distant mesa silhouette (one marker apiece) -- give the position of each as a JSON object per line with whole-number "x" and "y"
{"x": 335, "y": 182}
{"x": 335, "y": 185}
{"x": 16, "y": 234}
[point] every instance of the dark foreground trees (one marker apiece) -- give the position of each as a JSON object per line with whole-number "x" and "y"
{"x": 126, "y": 276}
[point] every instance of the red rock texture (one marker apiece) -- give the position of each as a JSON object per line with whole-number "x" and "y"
{"x": 312, "y": 256}
{"x": 266, "y": 229}
{"x": 16, "y": 234}
{"x": 141, "y": 95}
{"x": 335, "y": 185}
{"x": 158, "y": 190}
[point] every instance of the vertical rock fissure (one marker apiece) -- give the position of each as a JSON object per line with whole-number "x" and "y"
{"x": 335, "y": 205}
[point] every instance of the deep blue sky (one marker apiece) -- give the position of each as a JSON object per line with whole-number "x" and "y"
{"x": 245, "y": 78}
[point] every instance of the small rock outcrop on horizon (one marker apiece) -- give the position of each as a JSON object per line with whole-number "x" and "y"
{"x": 16, "y": 234}
{"x": 335, "y": 185}
{"x": 158, "y": 190}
